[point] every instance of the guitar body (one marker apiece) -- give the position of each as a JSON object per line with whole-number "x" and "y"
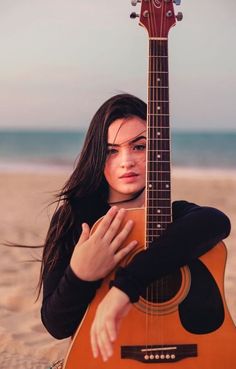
{"x": 153, "y": 333}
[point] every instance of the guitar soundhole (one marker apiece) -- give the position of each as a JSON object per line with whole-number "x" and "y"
{"x": 164, "y": 289}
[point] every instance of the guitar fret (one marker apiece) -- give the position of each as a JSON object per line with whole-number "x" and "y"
{"x": 164, "y": 219}
{"x": 159, "y": 181}
{"x": 154, "y": 101}
{"x": 158, "y": 56}
{"x": 162, "y": 222}
{"x": 163, "y": 192}
{"x": 154, "y": 229}
{"x": 161, "y": 189}
{"x": 162, "y": 121}
{"x": 155, "y": 204}
{"x": 160, "y": 212}
{"x": 157, "y": 127}
{"x": 159, "y": 94}
{"x": 158, "y": 114}
{"x": 159, "y": 139}
{"x": 160, "y": 150}
{"x": 160, "y": 162}
{"x": 159, "y": 199}
{"x": 160, "y": 207}
{"x": 161, "y": 227}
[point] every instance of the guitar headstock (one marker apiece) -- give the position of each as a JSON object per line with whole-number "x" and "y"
{"x": 157, "y": 16}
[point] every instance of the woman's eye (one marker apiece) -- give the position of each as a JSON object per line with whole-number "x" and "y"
{"x": 111, "y": 151}
{"x": 140, "y": 147}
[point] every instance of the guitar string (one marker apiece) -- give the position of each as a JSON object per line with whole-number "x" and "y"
{"x": 151, "y": 135}
{"x": 152, "y": 106}
{"x": 157, "y": 65}
{"x": 167, "y": 147}
{"x": 149, "y": 292}
{"x": 155, "y": 175}
{"x": 150, "y": 21}
{"x": 159, "y": 143}
{"x": 160, "y": 66}
{"x": 152, "y": 130}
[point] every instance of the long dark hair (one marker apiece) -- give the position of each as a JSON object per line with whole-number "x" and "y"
{"x": 87, "y": 178}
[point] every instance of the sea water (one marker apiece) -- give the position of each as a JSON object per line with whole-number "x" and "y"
{"x": 45, "y": 149}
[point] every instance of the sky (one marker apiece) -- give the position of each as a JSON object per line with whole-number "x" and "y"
{"x": 61, "y": 59}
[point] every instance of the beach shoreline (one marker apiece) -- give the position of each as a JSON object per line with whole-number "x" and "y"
{"x": 66, "y": 168}
{"x": 25, "y": 217}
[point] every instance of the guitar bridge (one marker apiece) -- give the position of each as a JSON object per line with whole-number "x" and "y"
{"x": 152, "y": 354}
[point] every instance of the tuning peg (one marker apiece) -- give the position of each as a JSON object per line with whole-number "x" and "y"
{"x": 134, "y": 15}
{"x": 179, "y": 16}
{"x": 135, "y": 2}
{"x": 177, "y": 2}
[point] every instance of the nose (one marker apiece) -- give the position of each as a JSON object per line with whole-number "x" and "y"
{"x": 127, "y": 161}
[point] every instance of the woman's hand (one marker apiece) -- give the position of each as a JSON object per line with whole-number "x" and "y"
{"x": 109, "y": 314}
{"x": 96, "y": 256}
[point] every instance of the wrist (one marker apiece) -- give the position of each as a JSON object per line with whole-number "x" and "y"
{"x": 127, "y": 284}
{"x": 81, "y": 272}
{"x": 117, "y": 293}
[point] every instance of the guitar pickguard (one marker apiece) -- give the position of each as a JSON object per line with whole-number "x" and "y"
{"x": 202, "y": 311}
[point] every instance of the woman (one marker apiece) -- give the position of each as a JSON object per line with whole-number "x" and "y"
{"x": 110, "y": 177}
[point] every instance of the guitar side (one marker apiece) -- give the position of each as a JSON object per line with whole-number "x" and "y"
{"x": 162, "y": 332}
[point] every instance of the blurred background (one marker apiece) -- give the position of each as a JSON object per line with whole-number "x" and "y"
{"x": 60, "y": 60}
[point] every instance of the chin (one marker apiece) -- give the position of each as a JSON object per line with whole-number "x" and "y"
{"x": 132, "y": 191}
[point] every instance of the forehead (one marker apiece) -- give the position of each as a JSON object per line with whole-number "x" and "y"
{"x": 125, "y": 129}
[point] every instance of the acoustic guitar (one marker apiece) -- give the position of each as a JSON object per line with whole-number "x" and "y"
{"x": 182, "y": 321}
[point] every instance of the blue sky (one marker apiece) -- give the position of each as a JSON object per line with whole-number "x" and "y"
{"x": 60, "y": 59}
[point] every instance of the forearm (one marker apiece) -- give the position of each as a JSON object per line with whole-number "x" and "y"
{"x": 63, "y": 309}
{"x": 187, "y": 238}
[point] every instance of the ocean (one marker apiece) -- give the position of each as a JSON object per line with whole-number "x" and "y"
{"x": 59, "y": 149}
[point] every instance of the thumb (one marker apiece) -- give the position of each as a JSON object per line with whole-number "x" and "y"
{"x": 85, "y": 234}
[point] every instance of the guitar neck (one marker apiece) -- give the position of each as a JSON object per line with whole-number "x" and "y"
{"x": 158, "y": 201}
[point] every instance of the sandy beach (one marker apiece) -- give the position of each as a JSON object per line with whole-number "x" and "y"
{"x": 24, "y": 218}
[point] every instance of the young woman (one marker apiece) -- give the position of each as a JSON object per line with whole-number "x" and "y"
{"x": 110, "y": 177}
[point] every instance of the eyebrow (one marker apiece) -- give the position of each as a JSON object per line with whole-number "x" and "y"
{"x": 129, "y": 142}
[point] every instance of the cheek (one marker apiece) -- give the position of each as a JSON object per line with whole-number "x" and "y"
{"x": 108, "y": 170}
{"x": 142, "y": 162}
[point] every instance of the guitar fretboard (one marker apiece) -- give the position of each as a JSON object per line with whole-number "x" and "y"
{"x": 158, "y": 147}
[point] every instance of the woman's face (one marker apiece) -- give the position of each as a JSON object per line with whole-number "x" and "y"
{"x": 126, "y": 158}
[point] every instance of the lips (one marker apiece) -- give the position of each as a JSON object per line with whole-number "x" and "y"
{"x": 129, "y": 175}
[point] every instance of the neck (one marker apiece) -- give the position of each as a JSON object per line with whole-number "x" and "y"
{"x": 136, "y": 201}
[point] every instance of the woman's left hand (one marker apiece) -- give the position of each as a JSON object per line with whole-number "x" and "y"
{"x": 109, "y": 314}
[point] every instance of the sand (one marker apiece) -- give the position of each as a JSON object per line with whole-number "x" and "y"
{"x": 24, "y": 218}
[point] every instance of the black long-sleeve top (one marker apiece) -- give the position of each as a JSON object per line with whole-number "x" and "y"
{"x": 194, "y": 231}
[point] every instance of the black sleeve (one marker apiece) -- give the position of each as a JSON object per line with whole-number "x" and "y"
{"x": 65, "y": 296}
{"x": 63, "y": 308}
{"x": 194, "y": 231}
